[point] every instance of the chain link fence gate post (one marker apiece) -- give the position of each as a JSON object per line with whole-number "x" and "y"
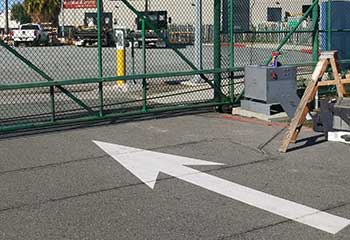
{"x": 71, "y": 77}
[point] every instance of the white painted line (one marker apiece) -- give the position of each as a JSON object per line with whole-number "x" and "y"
{"x": 339, "y": 137}
{"x": 146, "y": 165}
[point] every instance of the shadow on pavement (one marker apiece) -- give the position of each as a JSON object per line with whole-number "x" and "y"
{"x": 119, "y": 120}
{"x": 309, "y": 141}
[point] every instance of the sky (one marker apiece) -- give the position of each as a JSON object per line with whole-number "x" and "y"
{"x": 11, "y": 2}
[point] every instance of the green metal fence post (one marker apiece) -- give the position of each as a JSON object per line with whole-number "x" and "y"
{"x": 329, "y": 25}
{"x": 52, "y": 103}
{"x": 144, "y": 80}
{"x": 99, "y": 53}
{"x": 133, "y": 56}
{"x": 315, "y": 34}
{"x": 217, "y": 47}
{"x": 315, "y": 41}
{"x": 232, "y": 49}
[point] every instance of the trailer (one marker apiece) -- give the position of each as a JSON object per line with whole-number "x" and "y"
{"x": 87, "y": 34}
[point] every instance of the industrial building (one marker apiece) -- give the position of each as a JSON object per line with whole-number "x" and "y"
{"x": 182, "y": 12}
{"x": 12, "y": 24}
{"x": 262, "y": 10}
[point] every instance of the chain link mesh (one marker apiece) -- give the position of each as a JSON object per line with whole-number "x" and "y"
{"x": 65, "y": 47}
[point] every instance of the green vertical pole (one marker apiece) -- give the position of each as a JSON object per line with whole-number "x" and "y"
{"x": 100, "y": 98}
{"x": 217, "y": 47}
{"x": 232, "y": 49}
{"x": 329, "y": 25}
{"x": 315, "y": 40}
{"x": 52, "y": 104}
{"x": 315, "y": 33}
{"x": 99, "y": 53}
{"x": 144, "y": 81}
{"x": 132, "y": 56}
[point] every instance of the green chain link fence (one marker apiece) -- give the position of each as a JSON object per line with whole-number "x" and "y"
{"x": 178, "y": 54}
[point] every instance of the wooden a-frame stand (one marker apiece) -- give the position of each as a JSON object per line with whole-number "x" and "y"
{"x": 326, "y": 59}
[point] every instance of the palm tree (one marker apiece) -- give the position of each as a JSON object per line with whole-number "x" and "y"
{"x": 33, "y": 9}
{"x": 19, "y": 14}
{"x": 43, "y": 10}
{"x": 51, "y": 10}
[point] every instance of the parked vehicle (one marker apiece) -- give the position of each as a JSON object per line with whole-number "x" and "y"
{"x": 87, "y": 34}
{"x": 51, "y": 31}
{"x": 30, "y": 34}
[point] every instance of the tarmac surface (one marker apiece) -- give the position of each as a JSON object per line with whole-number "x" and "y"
{"x": 71, "y": 62}
{"x": 60, "y": 185}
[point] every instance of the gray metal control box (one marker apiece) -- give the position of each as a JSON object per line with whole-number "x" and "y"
{"x": 266, "y": 86}
{"x": 264, "y": 82}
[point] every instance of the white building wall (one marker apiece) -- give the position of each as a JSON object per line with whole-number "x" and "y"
{"x": 12, "y": 24}
{"x": 259, "y": 8}
{"x": 181, "y": 11}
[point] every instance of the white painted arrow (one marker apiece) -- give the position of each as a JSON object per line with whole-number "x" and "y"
{"x": 146, "y": 165}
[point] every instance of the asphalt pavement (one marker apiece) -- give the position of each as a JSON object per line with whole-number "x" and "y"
{"x": 71, "y": 62}
{"x": 58, "y": 184}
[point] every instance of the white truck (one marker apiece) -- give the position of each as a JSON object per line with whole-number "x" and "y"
{"x": 30, "y": 34}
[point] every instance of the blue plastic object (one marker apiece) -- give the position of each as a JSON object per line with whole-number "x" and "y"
{"x": 340, "y": 19}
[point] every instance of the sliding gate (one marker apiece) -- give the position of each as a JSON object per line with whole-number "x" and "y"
{"x": 195, "y": 59}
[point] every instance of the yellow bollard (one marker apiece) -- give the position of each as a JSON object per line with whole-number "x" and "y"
{"x": 120, "y": 55}
{"x": 121, "y": 66}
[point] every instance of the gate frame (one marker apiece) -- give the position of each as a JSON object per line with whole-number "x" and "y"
{"x": 219, "y": 99}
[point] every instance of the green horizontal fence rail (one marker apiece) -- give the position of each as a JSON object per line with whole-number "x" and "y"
{"x": 69, "y": 73}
